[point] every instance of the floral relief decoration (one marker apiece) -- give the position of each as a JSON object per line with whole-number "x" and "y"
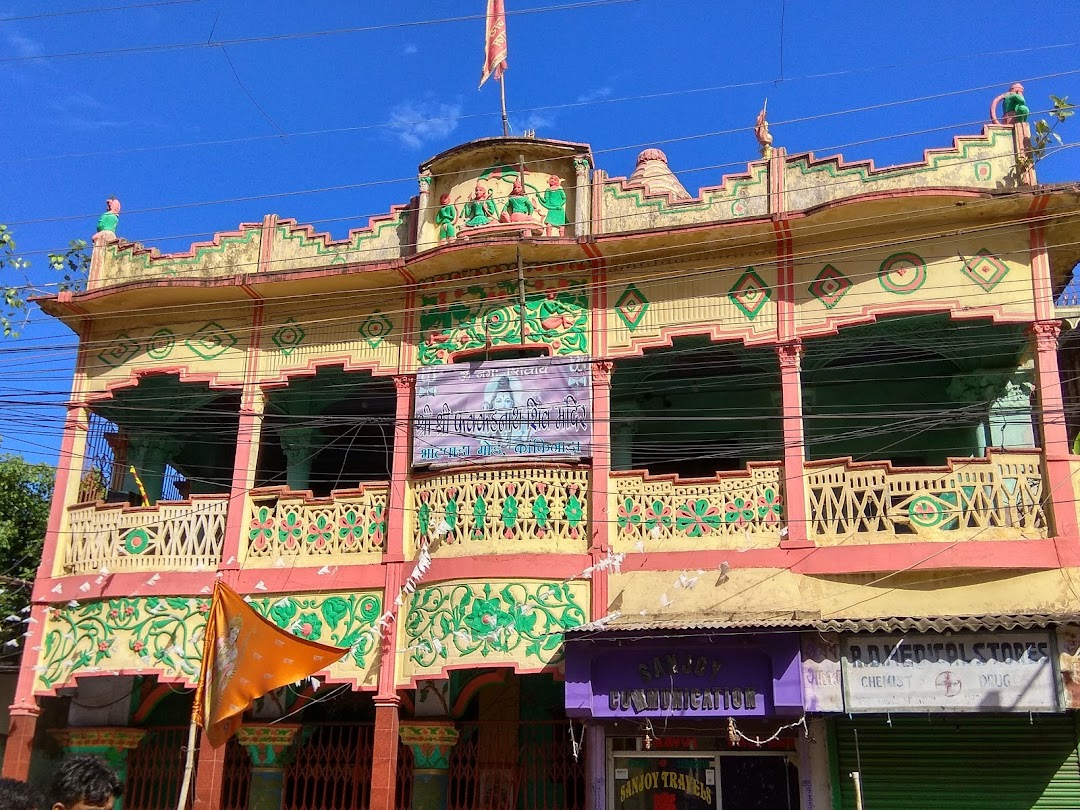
{"x": 518, "y": 621}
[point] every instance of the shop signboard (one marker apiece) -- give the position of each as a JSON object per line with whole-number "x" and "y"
{"x": 685, "y": 681}
{"x": 993, "y": 672}
{"x": 501, "y": 410}
{"x": 822, "y": 682}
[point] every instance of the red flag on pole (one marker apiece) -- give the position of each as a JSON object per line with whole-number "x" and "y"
{"x": 494, "y": 41}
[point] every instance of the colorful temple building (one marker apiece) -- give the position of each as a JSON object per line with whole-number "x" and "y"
{"x": 620, "y": 496}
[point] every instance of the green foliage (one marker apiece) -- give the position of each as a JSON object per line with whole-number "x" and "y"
{"x": 25, "y": 492}
{"x": 1044, "y": 134}
{"x": 73, "y": 265}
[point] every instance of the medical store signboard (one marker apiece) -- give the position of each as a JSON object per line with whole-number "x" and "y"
{"x": 502, "y": 410}
{"x": 962, "y": 672}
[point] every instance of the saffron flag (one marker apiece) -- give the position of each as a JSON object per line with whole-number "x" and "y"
{"x": 494, "y": 41}
{"x": 245, "y": 657}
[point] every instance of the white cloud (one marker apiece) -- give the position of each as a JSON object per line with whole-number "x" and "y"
{"x": 535, "y": 121}
{"x": 416, "y": 123}
{"x": 23, "y": 46}
{"x": 594, "y": 95}
{"x": 411, "y": 48}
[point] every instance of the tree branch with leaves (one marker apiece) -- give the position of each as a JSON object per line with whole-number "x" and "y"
{"x": 73, "y": 264}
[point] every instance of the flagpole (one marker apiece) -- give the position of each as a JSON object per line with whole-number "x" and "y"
{"x": 502, "y": 97}
{"x": 189, "y": 766}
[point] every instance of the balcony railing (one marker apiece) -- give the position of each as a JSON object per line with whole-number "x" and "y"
{"x": 731, "y": 510}
{"x": 183, "y": 536}
{"x": 347, "y": 527}
{"x": 999, "y": 497}
{"x": 539, "y": 508}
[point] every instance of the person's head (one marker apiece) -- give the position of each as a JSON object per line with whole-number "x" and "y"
{"x": 444, "y": 199}
{"x": 554, "y": 181}
{"x": 16, "y": 795}
{"x": 112, "y": 205}
{"x": 84, "y": 782}
{"x": 518, "y": 189}
{"x": 502, "y": 396}
{"x": 479, "y": 193}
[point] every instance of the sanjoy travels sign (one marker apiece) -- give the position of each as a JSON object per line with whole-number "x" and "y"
{"x": 500, "y": 410}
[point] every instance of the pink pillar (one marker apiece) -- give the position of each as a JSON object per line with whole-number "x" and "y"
{"x": 20, "y": 743}
{"x": 209, "y": 776}
{"x": 397, "y": 521}
{"x": 248, "y": 435}
{"x": 795, "y": 499}
{"x": 1055, "y": 440}
{"x": 598, "y": 491}
{"x": 384, "y": 755}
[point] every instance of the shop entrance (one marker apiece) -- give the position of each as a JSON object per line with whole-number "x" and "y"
{"x": 702, "y": 781}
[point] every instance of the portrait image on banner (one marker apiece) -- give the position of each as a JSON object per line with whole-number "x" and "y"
{"x": 497, "y": 410}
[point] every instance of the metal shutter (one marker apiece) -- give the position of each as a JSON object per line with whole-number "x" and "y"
{"x": 968, "y": 762}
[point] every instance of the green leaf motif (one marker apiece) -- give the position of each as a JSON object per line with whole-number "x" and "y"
{"x": 485, "y": 622}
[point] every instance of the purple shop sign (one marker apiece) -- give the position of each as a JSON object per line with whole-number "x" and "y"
{"x": 684, "y": 679}
{"x": 499, "y": 410}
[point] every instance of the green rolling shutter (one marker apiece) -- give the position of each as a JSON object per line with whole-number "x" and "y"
{"x": 966, "y": 762}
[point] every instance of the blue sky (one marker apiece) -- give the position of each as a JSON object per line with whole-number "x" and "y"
{"x": 170, "y": 128}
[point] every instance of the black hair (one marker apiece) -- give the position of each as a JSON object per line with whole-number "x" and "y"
{"x": 84, "y": 778}
{"x": 16, "y": 795}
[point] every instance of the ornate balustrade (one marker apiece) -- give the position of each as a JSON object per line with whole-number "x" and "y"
{"x": 180, "y": 536}
{"x": 663, "y": 512}
{"x": 539, "y": 508}
{"x": 349, "y": 526}
{"x": 999, "y": 497}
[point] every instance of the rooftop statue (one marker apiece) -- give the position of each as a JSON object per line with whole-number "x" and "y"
{"x": 107, "y": 222}
{"x": 761, "y": 132}
{"x": 479, "y": 209}
{"x": 519, "y": 207}
{"x": 1014, "y": 108}
{"x": 553, "y": 199}
{"x": 445, "y": 218}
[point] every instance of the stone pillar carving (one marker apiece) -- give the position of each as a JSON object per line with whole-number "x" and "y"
{"x": 795, "y": 500}
{"x": 300, "y": 447}
{"x": 270, "y": 747}
{"x": 423, "y": 213}
{"x": 1052, "y": 430}
{"x": 110, "y": 743}
{"x": 431, "y": 742}
{"x": 149, "y": 453}
{"x": 582, "y": 197}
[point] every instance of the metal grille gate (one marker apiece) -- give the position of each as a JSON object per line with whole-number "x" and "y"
{"x": 155, "y": 768}
{"x": 515, "y": 766}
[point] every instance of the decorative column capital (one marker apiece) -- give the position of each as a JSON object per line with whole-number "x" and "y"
{"x": 790, "y": 354}
{"x": 581, "y": 164}
{"x": 268, "y": 745}
{"x": 102, "y": 740}
{"x": 425, "y": 182}
{"x": 602, "y": 370}
{"x": 1046, "y": 334}
{"x": 404, "y": 383}
{"x": 111, "y": 743}
{"x": 430, "y": 742}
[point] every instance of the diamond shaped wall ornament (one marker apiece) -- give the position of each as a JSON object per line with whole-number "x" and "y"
{"x": 375, "y": 327}
{"x": 830, "y": 286}
{"x": 631, "y": 307}
{"x": 985, "y": 269}
{"x": 289, "y": 336}
{"x": 211, "y": 340}
{"x": 750, "y": 293}
{"x": 160, "y": 344}
{"x": 122, "y": 349}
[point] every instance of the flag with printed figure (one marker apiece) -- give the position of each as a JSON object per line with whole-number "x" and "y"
{"x": 494, "y": 41}
{"x": 245, "y": 657}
